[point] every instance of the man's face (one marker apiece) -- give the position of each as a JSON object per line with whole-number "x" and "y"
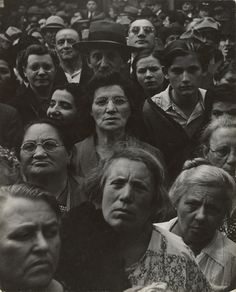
{"x": 64, "y": 44}
{"x": 29, "y": 244}
{"x": 185, "y": 75}
{"x": 142, "y": 34}
{"x": 105, "y": 60}
{"x": 40, "y": 71}
{"x": 223, "y": 109}
{"x": 91, "y": 6}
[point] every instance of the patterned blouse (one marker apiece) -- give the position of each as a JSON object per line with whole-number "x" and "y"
{"x": 168, "y": 260}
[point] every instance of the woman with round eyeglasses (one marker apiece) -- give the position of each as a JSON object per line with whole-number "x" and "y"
{"x": 219, "y": 148}
{"x": 45, "y": 155}
{"x": 112, "y": 115}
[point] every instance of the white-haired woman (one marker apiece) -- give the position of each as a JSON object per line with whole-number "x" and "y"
{"x": 202, "y": 195}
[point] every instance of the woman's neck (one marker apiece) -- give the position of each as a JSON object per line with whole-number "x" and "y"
{"x": 132, "y": 245}
{"x": 108, "y": 138}
{"x": 54, "y": 184}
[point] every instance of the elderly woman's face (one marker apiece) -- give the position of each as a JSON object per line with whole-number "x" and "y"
{"x": 110, "y": 108}
{"x": 42, "y": 151}
{"x": 29, "y": 244}
{"x": 200, "y": 213}
{"x": 222, "y": 149}
{"x": 127, "y": 203}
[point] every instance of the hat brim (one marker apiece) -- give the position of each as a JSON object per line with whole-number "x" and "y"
{"x": 85, "y": 46}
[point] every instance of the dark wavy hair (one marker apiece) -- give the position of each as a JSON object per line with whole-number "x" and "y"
{"x": 135, "y": 125}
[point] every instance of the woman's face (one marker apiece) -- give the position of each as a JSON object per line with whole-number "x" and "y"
{"x": 29, "y": 244}
{"x": 149, "y": 73}
{"x": 110, "y": 108}
{"x": 222, "y": 149}
{"x": 5, "y": 72}
{"x": 62, "y": 107}
{"x": 44, "y": 159}
{"x": 200, "y": 213}
{"x": 127, "y": 203}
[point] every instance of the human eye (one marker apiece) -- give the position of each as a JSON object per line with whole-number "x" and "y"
{"x": 71, "y": 41}
{"x": 135, "y": 29}
{"x": 60, "y": 42}
{"x": 176, "y": 70}
{"x": 217, "y": 113}
{"x": 34, "y": 67}
{"x": 117, "y": 183}
{"x": 148, "y": 29}
{"x": 66, "y": 105}
{"x": 101, "y": 101}
{"x": 222, "y": 151}
{"x": 139, "y": 185}
{"x": 22, "y": 234}
{"x": 193, "y": 69}
{"x": 51, "y": 231}
{"x": 28, "y": 146}
{"x": 50, "y": 145}
{"x": 119, "y": 100}
{"x": 52, "y": 103}
{"x": 141, "y": 70}
{"x": 47, "y": 67}
{"x": 97, "y": 56}
{"x": 154, "y": 69}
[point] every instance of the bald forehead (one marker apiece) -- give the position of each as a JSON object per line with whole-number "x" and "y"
{"x": 67, "y": 32}
{"x": 141, "y": 22}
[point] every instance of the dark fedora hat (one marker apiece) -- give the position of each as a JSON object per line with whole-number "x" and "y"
{"x": 103, "y": 33}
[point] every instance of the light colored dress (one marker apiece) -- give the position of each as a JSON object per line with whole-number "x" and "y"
{"x": 167, "y": 259}
{"x": 217, "y": 260}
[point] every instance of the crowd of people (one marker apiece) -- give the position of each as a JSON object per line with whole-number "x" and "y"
{"x": 118, "y": 146}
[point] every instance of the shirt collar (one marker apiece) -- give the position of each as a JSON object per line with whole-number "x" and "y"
{"x": 215, "y": 249}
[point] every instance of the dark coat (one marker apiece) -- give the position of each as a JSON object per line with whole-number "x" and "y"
{"x": 10, "y": 126}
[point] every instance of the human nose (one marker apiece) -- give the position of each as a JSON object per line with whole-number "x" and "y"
{"x": 110, "y": 106}
{"x": 126, "y": 194}
{"x": 185, "y": 76}
{"x": 41, "y": 71}
{"x": 39, "y": 151}
{"x": 141, "y": 32}
{"x": 41, "y": 243}
{"x": 148, "y": 73}
{"x": 200, "y": 215}
{"x": 104, "y": 62}
{"x": 232, "y": 157}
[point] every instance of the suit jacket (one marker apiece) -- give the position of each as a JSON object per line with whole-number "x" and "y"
{"x": 98, "y": 15}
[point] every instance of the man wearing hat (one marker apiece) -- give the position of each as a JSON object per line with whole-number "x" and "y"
{"x": 70, "y": 59}
{"x": 106, "y": 49}
{"x": 52, "y": 26}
